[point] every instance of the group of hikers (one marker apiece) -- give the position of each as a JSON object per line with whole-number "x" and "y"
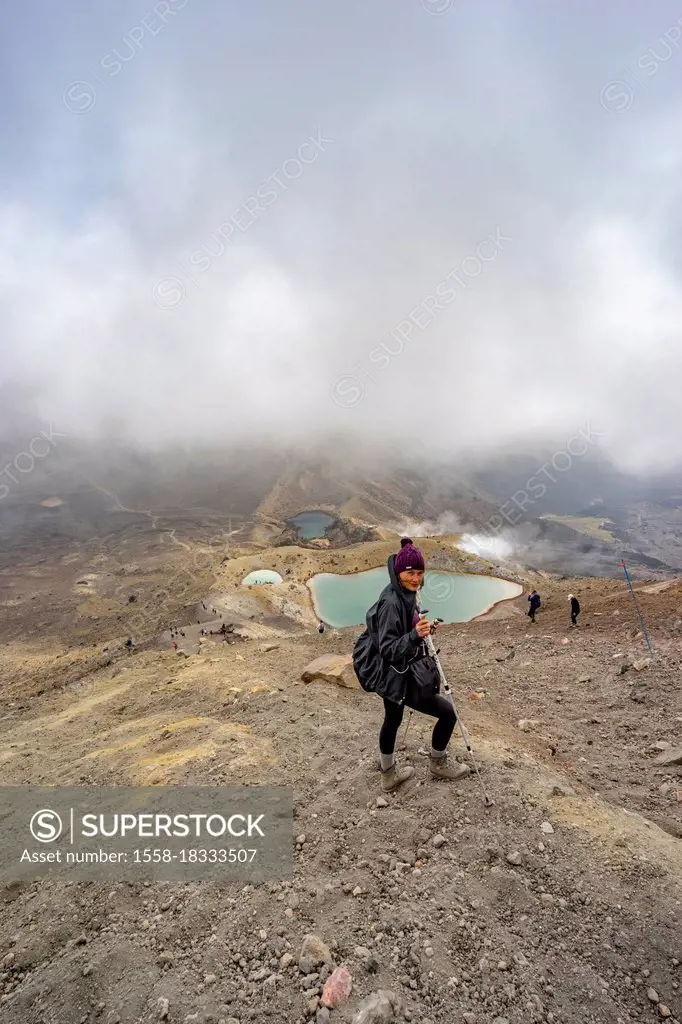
{"x": 226, "y": 631}
{"x": 534, "y": 602}
{"x": 395, "y": 658}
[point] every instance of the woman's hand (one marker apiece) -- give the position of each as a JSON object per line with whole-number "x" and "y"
{"x": 423, "y": 627}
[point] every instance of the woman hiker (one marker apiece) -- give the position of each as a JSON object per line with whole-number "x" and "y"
{"x": 575, "y": 609}
{"x": 390, "y": 659}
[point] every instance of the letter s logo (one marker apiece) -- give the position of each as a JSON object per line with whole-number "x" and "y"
{"x": 46, "y": 826}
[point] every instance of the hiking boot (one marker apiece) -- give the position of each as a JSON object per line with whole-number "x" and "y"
{"x": 444, "y": 768}
{"x": 395, "y": 776}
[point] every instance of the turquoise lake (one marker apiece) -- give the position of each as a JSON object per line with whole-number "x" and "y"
{"x": 453, "y": 597}
{"x": 311, "y": 524}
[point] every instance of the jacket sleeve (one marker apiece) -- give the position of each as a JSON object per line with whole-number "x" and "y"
{"x": 394, "y": 645}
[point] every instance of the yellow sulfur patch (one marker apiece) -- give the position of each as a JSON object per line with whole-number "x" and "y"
{"x": 110, "y": 751}
{"x": 187, "y": 723}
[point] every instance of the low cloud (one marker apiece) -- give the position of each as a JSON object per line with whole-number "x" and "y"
{"x": 186, "y": 256}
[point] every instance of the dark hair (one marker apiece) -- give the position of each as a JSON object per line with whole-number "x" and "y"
{"x": 404, "y": 541}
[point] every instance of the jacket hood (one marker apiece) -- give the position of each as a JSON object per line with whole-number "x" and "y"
{"x": 408, "y": 599}
{"x": 395, "y": 582}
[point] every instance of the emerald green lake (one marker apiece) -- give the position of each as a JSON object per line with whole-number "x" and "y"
{"x": 311, "y": 524}
{"x": 454, "y": 597}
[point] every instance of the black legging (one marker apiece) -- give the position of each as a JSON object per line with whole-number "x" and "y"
{"x": 437, "y": 707}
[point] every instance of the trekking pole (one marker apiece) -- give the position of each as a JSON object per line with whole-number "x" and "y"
{"x": 487, "y": 799}
{"x": 641, "y": 620}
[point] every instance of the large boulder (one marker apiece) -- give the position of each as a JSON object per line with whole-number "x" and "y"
{"x": 332, "y": 668}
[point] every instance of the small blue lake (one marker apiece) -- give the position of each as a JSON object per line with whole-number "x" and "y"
{"x": 454, "y": 597}
{"x": 311, "y": 524}
{"x": 262, "y": 576}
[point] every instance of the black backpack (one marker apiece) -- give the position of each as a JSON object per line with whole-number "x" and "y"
{"x": 367, "y": 662}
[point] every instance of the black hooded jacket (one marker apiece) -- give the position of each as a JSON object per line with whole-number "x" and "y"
{"x": 575, "y": 606}
{"x": 382, "y": 654}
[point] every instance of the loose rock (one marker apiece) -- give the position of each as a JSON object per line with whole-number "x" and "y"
{"x": 528, "y": 724}
{"x": 313, "y": 953}
{"x": 669, "y": 757}
{"x": 378, "y": 1008}
{"x": 337, "y": 988}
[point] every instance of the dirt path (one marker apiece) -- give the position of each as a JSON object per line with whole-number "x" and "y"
{"x": 123, "y": 508}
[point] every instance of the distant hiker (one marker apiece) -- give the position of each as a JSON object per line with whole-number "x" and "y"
{"x": 390, "y": 659}
{"x": 533, "y": 604}
{"x": 320, "y": 627}
{"x": 175, "y": 646}
{"x": 575, "y": 609}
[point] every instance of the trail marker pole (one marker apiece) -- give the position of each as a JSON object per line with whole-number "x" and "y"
{"x": 641, "y": 620}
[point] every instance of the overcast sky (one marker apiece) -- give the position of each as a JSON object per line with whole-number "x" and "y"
{"x": 516, "y": 163}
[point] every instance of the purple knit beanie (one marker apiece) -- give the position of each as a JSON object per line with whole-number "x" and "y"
{"x": 409, "y": 557}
